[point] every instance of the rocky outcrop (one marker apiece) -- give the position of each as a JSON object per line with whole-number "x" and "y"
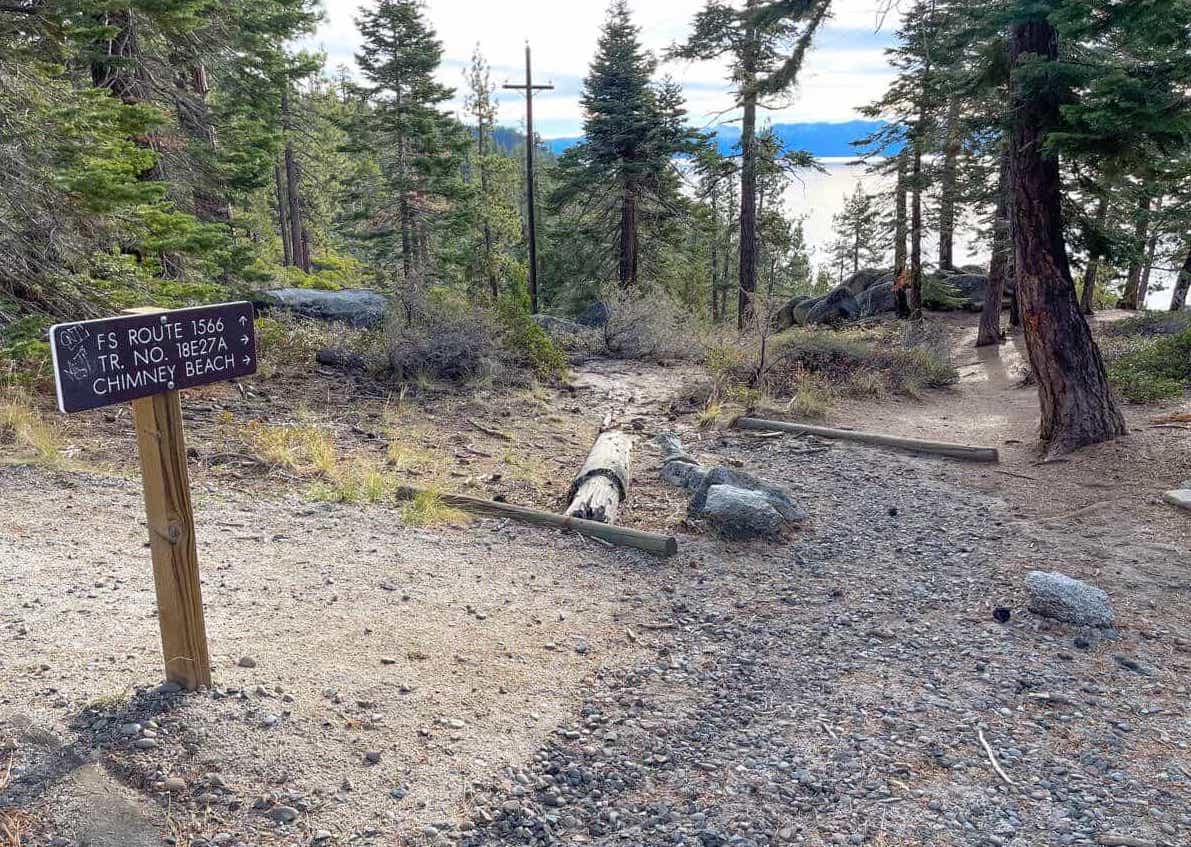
{"x": 357, "y": 307}
{"x": 865, "y": 279}
{"x": 836, "y": 307}
{"x": 877, "y": 299}
{"x": 595, "y": 315}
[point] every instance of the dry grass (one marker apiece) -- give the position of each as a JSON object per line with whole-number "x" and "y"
{"x": 357, "y": 482}
{"x": 302, "y": 449}
{"x": 428, "y": 509}
{"x": 23, "y": 426}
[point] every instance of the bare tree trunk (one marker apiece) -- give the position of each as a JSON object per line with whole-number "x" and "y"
{"x": 628, "y": 238}
{"x": 190, "y": 99}
{"x": 998, "y": 268}
{"x": 1087, "y": 300}
{"x": 1129, "y": 298}
{"x": 948, "y": 190}
{"x": 715, "y": 252}
{"x": 1178, "y": 301}
{"x": 1143, "y": 288}
{"x": 287, "y": 244}
{"x": 489, "y": 267}
{"x": 293, "y": 190}
{"x": 915, "y": 288}
{"x": 403, "y": 204}
{"x": 748, "y": 175}
{"x": 900, "y": 231}
{"x": 1077, "y": 404}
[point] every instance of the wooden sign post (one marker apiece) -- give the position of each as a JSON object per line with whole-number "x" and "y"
{"x": 145, "y": 357}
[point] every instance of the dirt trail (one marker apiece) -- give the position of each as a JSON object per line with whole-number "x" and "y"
{"x": 499, "y": 684}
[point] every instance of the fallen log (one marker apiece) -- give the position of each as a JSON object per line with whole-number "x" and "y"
{"x": 650, "y": 542}
{"x": 603, "y": 481}
{"x": 941, "y": 448}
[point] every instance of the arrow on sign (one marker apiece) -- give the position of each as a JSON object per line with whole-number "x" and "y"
{"x": 243, "y": 320}
{"x": 247, "y": 360}
{"x": 243, "y": 339}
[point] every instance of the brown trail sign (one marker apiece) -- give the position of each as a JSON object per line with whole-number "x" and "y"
{"x": 145, "y": 357}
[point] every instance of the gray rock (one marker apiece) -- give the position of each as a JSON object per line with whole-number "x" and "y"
{"x": 247, "y": 662}
{"x": 1179, "y": 497}
{"x": 739, "y": 513}
{"x": 839, "y": 305}
{"x": 864, "y": 279}
{"x": 784, "y": 319}
{"x": 337, "y": 357}
{"x": 683, "y": 473}
{"x": 358, "y": 307}
{"x": 877, "y": 299}
{"x": 282, "y": 814}
{"x": 777, "y": 498}
{"x": 595, "y": 315}
{"x": 1058, "y": 596}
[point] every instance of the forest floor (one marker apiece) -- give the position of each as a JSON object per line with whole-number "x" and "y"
{"x": 491, "y": 683}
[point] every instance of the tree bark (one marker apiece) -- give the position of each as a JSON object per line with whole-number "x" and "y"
{"x": 489, "y": 267}
{"x": 998, "y": 268}
{"x": 748, "y": 177}
{"x": 915, "y": 287}
{"x": 947, "y": 188}
{"x": 287, "y": 244}
{"x": 1076, "y": 402}
{"x": 1087, "y": 300}
{"x": 1143, "y": 288}
{"x": 403, "y": 205}
{"x": 293, "y": 192}
{"x": 900, "y": 231}
{"x": 1129, "y": 298}
{"x": 1178, "y": 301}
{"x": 715, "y": 252}
{"x": 190, "y": 99}
{"x": 628, "y": 238}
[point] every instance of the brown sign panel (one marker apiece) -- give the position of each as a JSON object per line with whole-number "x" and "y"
{"x": 115, "y": 360}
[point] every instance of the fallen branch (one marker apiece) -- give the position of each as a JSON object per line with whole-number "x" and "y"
{"x": 487, "y": 430}
{"x": 992, "y": 757}
{"x": 941, "y": 448}
{"x": 660, "y": 545}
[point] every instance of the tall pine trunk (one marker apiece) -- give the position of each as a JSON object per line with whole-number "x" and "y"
{"x": 915, "y": 288}
{"x": 900, "y": 232}
{"x": 1178, "y": 301}
{"x": 191, "y": 87}
{"x": 748, "y": 174}
{"x": 287, "y": 244}
{"x": 1130, "y": 296}
{"x": 489, "y": 267}
{"x": 1076, "y": 402}
{"x": 403, "y": 204}
{"x": 298, "y": 246}
{"x": 948, "y": 189}
{"x": 1087, "y": 300}
{"x": 715, "y": 252}
{"x": 628, "y": 238}
{"x": 998, "y": 267}
{"x": 1143, "y": 288}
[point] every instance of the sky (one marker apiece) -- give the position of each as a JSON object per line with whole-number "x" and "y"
{"x": 846, "y": 70}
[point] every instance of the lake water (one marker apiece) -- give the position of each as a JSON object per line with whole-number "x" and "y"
{"x": 816, "y": 197}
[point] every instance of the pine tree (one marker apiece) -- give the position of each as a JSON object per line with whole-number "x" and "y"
{"x": 623, "y": 170}
{"x": 766, "y": 42}
{"x": 399, "y": 56}
{"x": 857, "y": 231}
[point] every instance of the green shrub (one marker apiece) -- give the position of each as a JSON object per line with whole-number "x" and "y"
{"x": 526, "y": 341}
{"x": 25, "y": 353}
{"x": 1152, "y": 367}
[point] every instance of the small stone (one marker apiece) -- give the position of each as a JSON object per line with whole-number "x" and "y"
{"x": 1058, "y": 596}
{"x": 247, "y": 662}
{"x": 387, "y": 660}
{"x": 372, "y": 757}
{"x": 145, "y": 743}
{"x": 131, "y": 729}
{"x": 283, "y": 814}
{"x": 1180, "y": 498}
{"x": 321, "y": 836}
{"x": 174, "y": 785}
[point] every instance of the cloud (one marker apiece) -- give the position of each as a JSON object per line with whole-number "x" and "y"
{"x": 846, "y": 70}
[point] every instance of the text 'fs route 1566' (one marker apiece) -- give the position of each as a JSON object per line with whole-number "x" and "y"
{"x": 115, "y": 360}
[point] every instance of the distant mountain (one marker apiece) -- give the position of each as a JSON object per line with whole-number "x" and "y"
{"x": 821, "y": 139}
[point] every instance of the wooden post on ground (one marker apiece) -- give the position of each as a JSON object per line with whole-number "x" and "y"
{"x": 161, "y": 443}
{"x": 162, "y": 449}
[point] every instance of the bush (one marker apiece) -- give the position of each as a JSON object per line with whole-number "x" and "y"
{"x": 1149, "y": 357}
{"x": 649, "y": 326}
{"x": 862, "y": 362}
{"x": 528, "y": 343}
{"x": 436, "y": 337}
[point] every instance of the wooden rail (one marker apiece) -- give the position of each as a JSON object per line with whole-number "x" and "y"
{"x": 915, "y": 445}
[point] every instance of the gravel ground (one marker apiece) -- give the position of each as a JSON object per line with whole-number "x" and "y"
{"x": 505, "y": 685}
